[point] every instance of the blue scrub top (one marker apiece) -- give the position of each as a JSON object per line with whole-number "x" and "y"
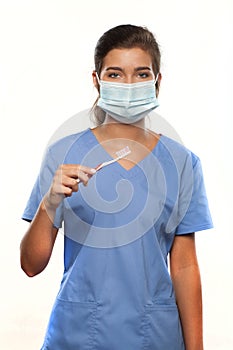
{"x": 116, "y": 292}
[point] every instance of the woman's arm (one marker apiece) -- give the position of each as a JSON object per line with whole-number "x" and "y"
{"x": 37, "y": 244}
{"x": 187, "y": 284}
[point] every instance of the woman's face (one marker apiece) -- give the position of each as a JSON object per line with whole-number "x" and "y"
{"x": 127, "y": 66}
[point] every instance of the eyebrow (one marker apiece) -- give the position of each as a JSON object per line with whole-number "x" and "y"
{"x": 114, "y": 68}
{"x": 142, "y": 68}
{"x": 136, "y": 69}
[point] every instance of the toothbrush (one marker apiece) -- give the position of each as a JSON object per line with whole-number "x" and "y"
{"x": 120, "y": 154}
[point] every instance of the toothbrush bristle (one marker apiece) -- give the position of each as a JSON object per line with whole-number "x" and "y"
{"x": 123, "y": 152}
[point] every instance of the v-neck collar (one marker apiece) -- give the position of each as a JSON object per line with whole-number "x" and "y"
{"x": 134, "y": 168}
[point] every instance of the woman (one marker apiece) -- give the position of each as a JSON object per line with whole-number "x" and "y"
{"x": 117, "y": 291}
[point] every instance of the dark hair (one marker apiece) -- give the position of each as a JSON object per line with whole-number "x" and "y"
{"x": 124, "y": 36}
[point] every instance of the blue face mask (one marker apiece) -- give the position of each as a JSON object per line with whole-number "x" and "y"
{"x": 128, "y": 103}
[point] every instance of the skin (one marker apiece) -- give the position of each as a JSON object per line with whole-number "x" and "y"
{"x": 125, "y": 66}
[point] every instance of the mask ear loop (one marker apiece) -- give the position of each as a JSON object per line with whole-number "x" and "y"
{"x": 97, "y": 78}
{"x": 98, "y": 81}
{"x": 156, "y": 85}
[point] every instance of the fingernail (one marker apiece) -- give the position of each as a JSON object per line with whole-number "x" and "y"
{"x": 93, "y": 171}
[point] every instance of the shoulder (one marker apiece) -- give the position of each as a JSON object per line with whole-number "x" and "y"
{"x": 179, "y": 152}
{"x": 61, "y": 147}
{"x": 68, "y": 140}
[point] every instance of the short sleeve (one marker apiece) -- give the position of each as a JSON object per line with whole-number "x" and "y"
{"x": 40, "y": 188}
{"x": 193, "y": 205}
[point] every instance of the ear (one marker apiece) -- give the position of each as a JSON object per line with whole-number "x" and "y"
{"x": 95, "y": 80}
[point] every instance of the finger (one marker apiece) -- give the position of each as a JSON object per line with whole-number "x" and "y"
{"x": 87, "y": 170}
{"x": 72, "y": 182}
{"x": 72, "y": 170}
{"x": 69, "y": 181}
{"x": 83, "y": 177}
{"x": 84, "y": 174}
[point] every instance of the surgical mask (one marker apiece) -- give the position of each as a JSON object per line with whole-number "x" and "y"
{"x": 127, "y": 103}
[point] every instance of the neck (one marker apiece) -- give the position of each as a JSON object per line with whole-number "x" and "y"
{"x": 114, "y": 129}
{"x": 115, "y": 137}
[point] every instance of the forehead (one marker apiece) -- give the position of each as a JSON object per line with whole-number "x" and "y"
{"x": 122, "y": 57}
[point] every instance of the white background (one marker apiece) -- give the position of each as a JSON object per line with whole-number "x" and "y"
{"x": 46, "y": 60}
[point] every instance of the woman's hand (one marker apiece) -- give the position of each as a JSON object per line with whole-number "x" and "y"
{"x": 66, "y": 181}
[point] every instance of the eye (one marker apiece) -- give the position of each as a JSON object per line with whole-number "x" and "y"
{"x": 113, "y": 75}
{"x": 143, "y": 75}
